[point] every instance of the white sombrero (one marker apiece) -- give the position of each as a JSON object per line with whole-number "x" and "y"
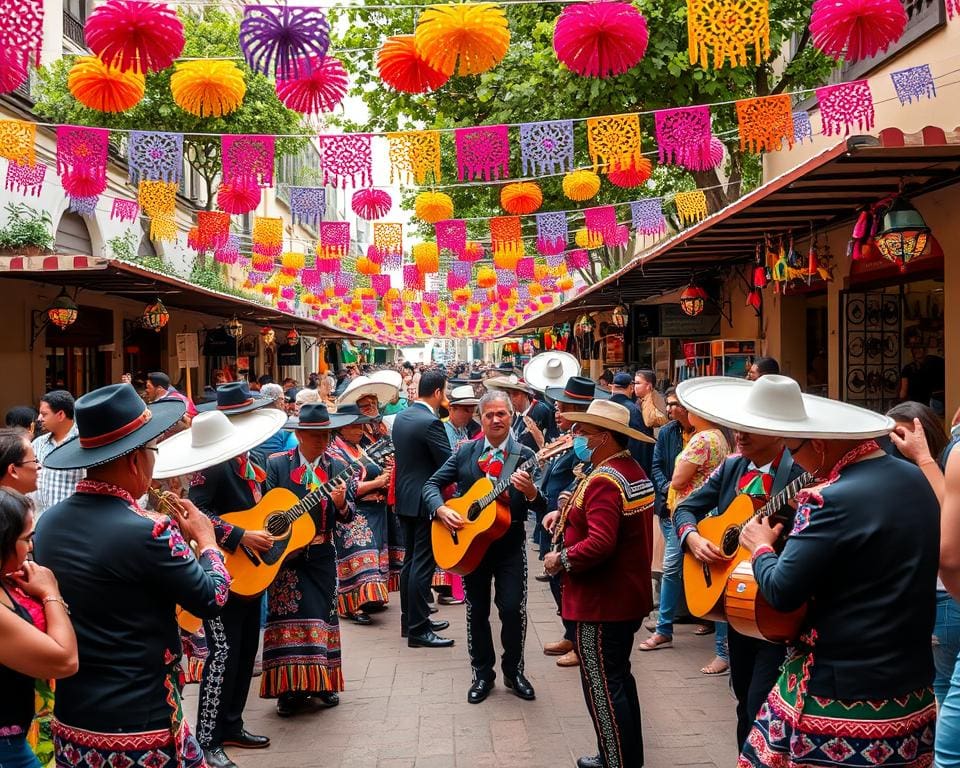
{"x": 609, "y": 415}
{"x": 508, "y": 382}
{"x": 550, "y": 369}
{"x": 364, "y": 386}
{"x": 213, "y": 438}
{"x": 774, "y": 405}
{"x": 463, "y": 395}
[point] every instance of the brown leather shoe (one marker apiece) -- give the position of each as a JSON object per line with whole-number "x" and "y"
{"x": 569, "y": 659}
{"x": 558, "y": 648}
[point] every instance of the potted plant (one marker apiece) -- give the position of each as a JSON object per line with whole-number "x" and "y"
{"x": 27, "y": 231}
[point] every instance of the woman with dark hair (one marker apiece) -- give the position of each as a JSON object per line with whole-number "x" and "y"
{"x": 763, "y": 366}
{"x": 36, "y": 637}
{"x": 22, "y": 416}
{"x": 19, "y": 466}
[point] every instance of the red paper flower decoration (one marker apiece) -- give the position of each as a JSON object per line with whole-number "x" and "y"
{"x": 129, "y": 34}
{"x": 521, "y": 198}
{"x": 402, "y": 69}
{"x": 600, "y": 39}
{"x": 13, "y": 71}
{"x": 634, "y": 176}
{"x": 83, "y": 184}
{"x": 238, "y": 198}
{"x": 321, "y": 87}
{"x": 371, "y": 204}
{"x": 856, "y": 29}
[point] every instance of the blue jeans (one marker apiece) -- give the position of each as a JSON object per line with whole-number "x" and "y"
{"x": 720, "y": 641}
{"x": 946, "y": 643}
{"x": 947, "y": 745}
{"x": 16, "y": 753}
{"x": 670, "y": 581}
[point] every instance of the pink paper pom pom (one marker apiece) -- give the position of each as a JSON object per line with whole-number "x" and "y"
{"x": 238, "y": 198}
{"x": 856, "y": 29}
{"x": 128, "y": 34}
{"x": 371, "y": 204}
{"x": 600, "y": 39}
{"x": 706, "y": 163}
{"x": 320, "y": 88}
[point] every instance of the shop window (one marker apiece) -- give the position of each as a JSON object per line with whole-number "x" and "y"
{"x": 77, "y": 357}
{"x": 872, "y": 327}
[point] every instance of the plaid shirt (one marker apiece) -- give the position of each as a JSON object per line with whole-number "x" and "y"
{"x": 53, "y": 485}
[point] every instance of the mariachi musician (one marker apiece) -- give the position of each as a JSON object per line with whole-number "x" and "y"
{"x": 532, "y": 424}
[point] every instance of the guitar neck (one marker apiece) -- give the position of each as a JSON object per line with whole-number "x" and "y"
{"x": 780, "y": 500}
{"x": 313, "y": 498}
{"x": 505, "y": 484}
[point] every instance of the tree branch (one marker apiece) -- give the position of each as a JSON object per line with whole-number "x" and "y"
{"x": 787, "y": 78}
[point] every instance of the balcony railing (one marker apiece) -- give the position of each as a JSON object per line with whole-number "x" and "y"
{"x": 73, "y": 29}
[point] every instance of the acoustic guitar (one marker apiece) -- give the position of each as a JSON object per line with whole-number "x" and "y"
{"x": 704, "y": 583}
{"x": 486, "y": 518}
{"x": 750, "y": 614}
{"x": 282, "y": 515}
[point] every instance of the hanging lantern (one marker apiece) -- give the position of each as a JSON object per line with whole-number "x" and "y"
{"x": 234, "y": 328}
{"x": 155, "y": 316}
{"x": 620, "y": 316}
{"x": 63, "y": 312}
{"x": 268, "y": 335}
{"x": 293, "y": 337}
{"x": 692, "y": 300}
{"x": 584, "y": 325}
{"x": 904, "y": 234}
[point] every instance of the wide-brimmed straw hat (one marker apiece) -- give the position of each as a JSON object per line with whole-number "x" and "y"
{"x": 508, "y": 382}
{"x": 578, "y": 390}
{"x": 235, "y": 398}
{"x": 550, "y": 369}
{"x": 213, "y": 438}
{"x": 316, "y": 416}
{"x": 364, "y": 386}
{"x": 111, "y": 422}
{"x": 463, "y": 395}
{"x": 611, "y": 416}
{"x": 774, "y": 405}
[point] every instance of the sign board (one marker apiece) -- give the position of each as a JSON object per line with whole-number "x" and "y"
{"x": 675, "y": 324}
{"x": 287, "y": 355}
{"x": 188, "y": 350}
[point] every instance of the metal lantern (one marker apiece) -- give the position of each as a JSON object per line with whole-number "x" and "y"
{"x": 268, "y": 334}
{"x": 155, "y": 316}
{"x": 692, "y": 300}
{"x": 583, "y": 326}
{"x": 63, "y": 312}
{"x": 620, "y": 316}
{"x": 293, "y": 338}
{"x": 904, "y": 234}
{"x": 234, "y": 328}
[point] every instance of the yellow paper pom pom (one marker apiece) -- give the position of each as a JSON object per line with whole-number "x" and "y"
{"x": 461, "y": 294}
{"x": 286, "y": 276}
{"x": 521, "y": 198}
{"x": 432, "y": 207}
{"x": 587, "y": 239}
{"x": 107, "y": 89}
{"x": 565, "y": 283}
{"x": 475, "y": 33}
{"x": 535, "y": 289}
{"x": 208, "y": 88}
{"x": 367, "y": 266}
{"x": 581, "y": 185}
{"x": 293, "y": 260}
{"x": 507, "y": 255}
{"x": 486, "y": 277}
{"x": 427, "y": 258}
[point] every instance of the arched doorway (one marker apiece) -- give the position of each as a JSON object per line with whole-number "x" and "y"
{"x": 73, "y": 236}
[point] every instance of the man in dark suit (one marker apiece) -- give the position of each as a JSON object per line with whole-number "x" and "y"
{"x": 621, "y": 391}
{"x": 422, "y": 447}
{"x": 497, "y": 456}
{"x": 533, "y": 421}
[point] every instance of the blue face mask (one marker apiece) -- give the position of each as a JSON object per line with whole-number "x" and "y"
{"x": 581, "y": 448}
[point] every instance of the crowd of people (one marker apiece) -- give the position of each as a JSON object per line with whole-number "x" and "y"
{"x": 611, "y": 478}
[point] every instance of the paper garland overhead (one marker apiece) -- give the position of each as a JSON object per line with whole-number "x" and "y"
{"x": 727, "y": 28}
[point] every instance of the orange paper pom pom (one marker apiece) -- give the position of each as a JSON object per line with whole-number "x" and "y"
{"x": 402, "y": 68}
{"x": 427, "y": 258}
{"x": 521, "y": 198}
{"x": 581, "y": 185}
{"x": 432, "y": 207}
{"x": 475, "y": 33}
{"x": 208, "y": 88}
{"x": 565, "y": 283}
{"x": 587, "y": 239}
{"x": 293, "y": 260}
{"x": 367, "y": 266}
{"x": 634, "y": 176}
{"x": 107, "y": 89}
{"x": 486, "y": 277}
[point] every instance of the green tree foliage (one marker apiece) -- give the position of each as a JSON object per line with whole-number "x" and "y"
{"x": 210, "y": 33}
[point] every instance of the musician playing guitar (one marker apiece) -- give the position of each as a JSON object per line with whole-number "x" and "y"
{"x": 762, "y": 466}
{"x": 495, "y": 455}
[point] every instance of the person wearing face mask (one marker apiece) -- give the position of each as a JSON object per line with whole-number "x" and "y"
{"x": 605, "y": 544}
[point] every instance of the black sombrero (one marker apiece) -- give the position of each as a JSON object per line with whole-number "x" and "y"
{"x": 475, "y": 377}
{"x": 351, "y": 409}
{"x": 578, "y": 390}
{"x": 233, "y": 398}
{"x": 316, "y": 416}
{"x": 113, "y": 421}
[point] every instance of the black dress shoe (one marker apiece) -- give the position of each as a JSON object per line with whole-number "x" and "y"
{"x": 217, "y": 758}
{"x": 479, "y": 691}
{"x": 433, "y": 609}
{"x": 436, "y": 626}
{"x": 326, "y": 699}
{"x": 247, "y": 740}
{"x": 429, "y": 639}
{"x": 592, "y": 761}
{"x": 360, "y": 618}
{"x": 289, "y": 704}
{"x": 520, "y": 686}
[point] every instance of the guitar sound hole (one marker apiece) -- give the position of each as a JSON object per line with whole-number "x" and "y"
{"x": 473, "y": 513}
{"x": 730, "y": 542}
{"x": 277, "y": 525}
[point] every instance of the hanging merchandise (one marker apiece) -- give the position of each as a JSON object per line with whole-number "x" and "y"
{"x": 154, "y": 156}
{"x": 25, "y": 179}
{"x": 135, "y": 35}
{"x": 602, "y": 221}
{"x": 614, "y": 142}
{"x": 728, "y": 27}
{"x": 506, "y": 241}
{"x": 521, "y": 198}
{"x": 347, "y": 158}
{"x": 414, "y": 154}
{"x": 267, "y": 236}
{"x": 466, "y": 38}
{"x": 692, "y": 299}
{"x": 903, "y": 234}
{"x": 552, "y": 233}
{"x": 691, "y": 206}
{"x": 239, "y": 197}
{"x": 371, "y": 204}
{"x": 18, "y": 140}
{"x": 581, "y": 185}
{"x": 844, "y": 106}
{"x": 683, "y": 136}
{"x": 600, "y": 39}
{"x": 319, "y": 88}
{"x": 208, "y": 88}
{"x": 637, "y": 174}
{"x": 82, "y": 159}
{"x": 403, "y": 69}
{"x": 107, "y": 89}
{"x": 853, "y": 30}
{"x": 247, "y": 158}
{"x": 334, "y": 239}
{"x": 914, "y": 83}
{"x": 307, "y": 205}
{"x": 387, "y": 238}
{"x": 765, "y": 123}
{"x": 432, "y": 207}
{"x": 283, "y": 41}
{"x": 482, "y": 152}
{"x": 546, "y": 147}
{"x": 452, "y": 236}
{"x": 802, "y": 129}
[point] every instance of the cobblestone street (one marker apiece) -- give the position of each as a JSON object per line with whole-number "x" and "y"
{"x": 407, "y": 708}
